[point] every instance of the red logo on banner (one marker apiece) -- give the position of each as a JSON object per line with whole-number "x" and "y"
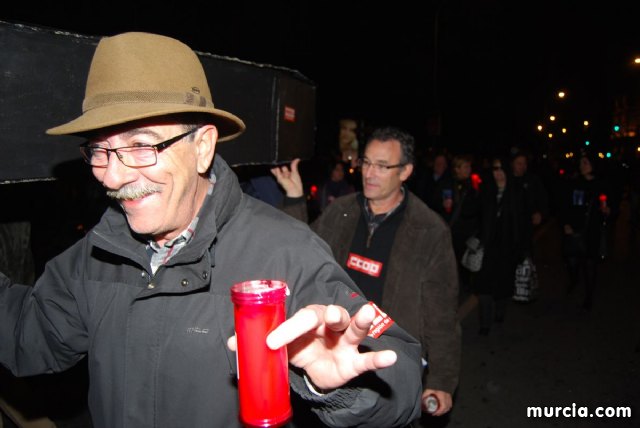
{"x": 380, "y": 323}
{"x": 289, "y": 114}
{"x": 364, "y": 265}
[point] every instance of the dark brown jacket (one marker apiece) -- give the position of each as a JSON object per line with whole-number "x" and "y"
{"x": 421, "y": 285}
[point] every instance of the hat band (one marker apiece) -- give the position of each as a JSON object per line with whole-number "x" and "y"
{"x": 144, "y": 97}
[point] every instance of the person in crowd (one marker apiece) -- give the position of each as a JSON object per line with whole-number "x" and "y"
{"x": 615, "y": 175}
{"x": 145, "y": 295}
{"x": 502, "y": 221}
{"x": 536, "y": 195}
{"x": 348, "y": 141}
{"x": 428, "y": 183}
{"x": 583, "y": 214}
{"x": 457, "y": 200}
{"x": 349, "y": 149}
{"x": 397, "y": 250}
{"x": 538, "y": 199}
{"x": 335, "y": 185}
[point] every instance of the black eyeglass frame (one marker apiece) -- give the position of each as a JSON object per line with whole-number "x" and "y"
{"x": 157, "y": 147}
{"x": 361, "y": 162}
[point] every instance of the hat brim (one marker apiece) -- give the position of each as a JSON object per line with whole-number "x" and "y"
{"x": 229, "y": 126}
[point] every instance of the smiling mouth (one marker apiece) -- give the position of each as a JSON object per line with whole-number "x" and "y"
{"x": 131, "y": 199}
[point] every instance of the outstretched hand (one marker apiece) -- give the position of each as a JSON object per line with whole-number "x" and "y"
{"x": 289, "y": 179}
{"x": 324, "y": 340}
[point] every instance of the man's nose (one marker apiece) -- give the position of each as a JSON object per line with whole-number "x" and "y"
{"x": 116, "y": 174}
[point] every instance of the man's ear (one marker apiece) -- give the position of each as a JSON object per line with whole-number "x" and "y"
{"x": 206, "y": 147}
{"x": 406, "y": 172}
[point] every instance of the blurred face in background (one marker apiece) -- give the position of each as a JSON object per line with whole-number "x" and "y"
{"x": 439, "y": 165}
{"x": 347, "y": 136}
{"x": 519, "y": 166}
{"x": 498, "y": 173}
{"x": 463, "y": 170}
{"x": 337, "y": 173}
{"x": 585, "y": 166}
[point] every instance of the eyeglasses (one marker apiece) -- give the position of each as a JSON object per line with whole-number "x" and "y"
{"x": 496, "y": 167}
{"x": 365, "y": 163}
{"x": 135, "y": 156}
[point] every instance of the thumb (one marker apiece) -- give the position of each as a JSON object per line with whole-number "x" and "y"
{"x": 294, "y": 165}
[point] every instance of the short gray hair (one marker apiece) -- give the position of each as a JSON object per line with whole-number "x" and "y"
{"x": 406, "y": 140}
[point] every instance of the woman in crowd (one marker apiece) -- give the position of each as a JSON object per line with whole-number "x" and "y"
{"x": 502, "y": 221}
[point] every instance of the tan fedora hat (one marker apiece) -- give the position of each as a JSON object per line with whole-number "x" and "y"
{"x": 140, "y": 75}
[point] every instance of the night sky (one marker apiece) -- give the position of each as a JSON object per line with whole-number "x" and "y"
{"x": 490, "y": 71}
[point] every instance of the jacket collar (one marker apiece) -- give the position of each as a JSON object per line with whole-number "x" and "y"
{"x": 217, "y": 210}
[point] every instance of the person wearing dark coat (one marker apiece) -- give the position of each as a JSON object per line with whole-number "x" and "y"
{"x": 459, "y": 205}
{"x": 398, "y": 251}
{"x": 583, "y": 214}
{"x": 502, "y": 221}
{"x": 335, "y": 186}
{"x": 144, "y": 297}
{"x": 427, "y": 184}
{"x": 536, "y": 198}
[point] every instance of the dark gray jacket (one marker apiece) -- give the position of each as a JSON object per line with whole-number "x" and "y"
{"x": 156, "y": 344}
{"x": 421, "y": 283}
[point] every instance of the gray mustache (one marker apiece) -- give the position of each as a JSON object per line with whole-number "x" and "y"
{"x": 133, "y": 192}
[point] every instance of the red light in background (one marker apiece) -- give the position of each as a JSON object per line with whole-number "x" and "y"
{"x": 603, "y": 200}
{"x": 476, "y": 181}
{"x": 561, "y": 172}
{"x": 314, "y": 190}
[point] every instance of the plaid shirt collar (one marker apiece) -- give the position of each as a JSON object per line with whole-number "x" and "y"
{"x": 161, "y": 254}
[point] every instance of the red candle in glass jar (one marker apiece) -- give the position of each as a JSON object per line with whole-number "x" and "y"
{"x": 263, "y": 376}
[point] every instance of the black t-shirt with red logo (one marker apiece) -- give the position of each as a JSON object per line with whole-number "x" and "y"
{"x": 368, "y": 255}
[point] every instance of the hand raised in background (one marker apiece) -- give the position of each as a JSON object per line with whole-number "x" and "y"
{"x": 289, "y": 179}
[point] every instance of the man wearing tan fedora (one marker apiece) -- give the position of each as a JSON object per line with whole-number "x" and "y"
{"x": 144, "y": 296}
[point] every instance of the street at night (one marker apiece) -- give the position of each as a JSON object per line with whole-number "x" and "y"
{"x": 489, "y": 80}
